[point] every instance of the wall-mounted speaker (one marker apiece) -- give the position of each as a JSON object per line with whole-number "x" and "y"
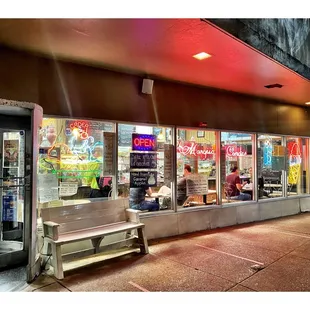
{"x": 147, "y": 86}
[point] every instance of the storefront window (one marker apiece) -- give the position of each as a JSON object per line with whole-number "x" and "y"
{"x": 196, "y": 168}
{"x": 75, "y": 162}
{"x": 271, "y": 166}
{"x": 297, "y": 165}
{"x": 237, "y": 164}
{"x": 145, "y": 166}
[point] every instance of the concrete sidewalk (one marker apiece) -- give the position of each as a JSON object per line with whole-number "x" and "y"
{"x": 265, "y": 256}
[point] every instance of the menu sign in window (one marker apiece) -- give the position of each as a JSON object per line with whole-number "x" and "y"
{"x": 223, "y": 165}
{"x": 259, "y": 162}
{"x": 68, "y": 189}
{"x": 143, "y": 160}
{"x": 143, "y": 179}
{"x": 108, "y": 140}
{"x": 125, "y": 134}
{"x": 168, "y": 162}
{"x": 196, "y": 185}
{"x": 47, "y": 187}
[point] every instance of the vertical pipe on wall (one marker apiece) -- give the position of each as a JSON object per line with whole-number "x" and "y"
{"x": 284, "y": 171}
{"x": 33, "y": 267}
{"x": 218, "y": 165}
{"x": 255, "y": 167}
{"x": 307, "y": 159}
{"x": 174, "y": 172}
{"x": 115, "y": 163}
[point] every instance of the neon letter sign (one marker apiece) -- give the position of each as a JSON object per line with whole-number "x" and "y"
{"x": 234, "y": 150}
{"x": 79, "y": 129}
{"x": 142, "y": 142}
{"x": 196, "y": 150}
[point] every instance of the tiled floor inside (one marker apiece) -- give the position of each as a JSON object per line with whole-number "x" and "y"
{"x": 266, "y": 256}
{"x": 13, "y": 280}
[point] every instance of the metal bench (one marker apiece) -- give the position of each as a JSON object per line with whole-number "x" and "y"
{"x": 67, "y": 224}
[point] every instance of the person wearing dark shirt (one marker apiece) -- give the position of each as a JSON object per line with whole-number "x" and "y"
{"x": 137, "y": 199}
{"x": 181, "y": 186}
{"x": 234, "y": 186}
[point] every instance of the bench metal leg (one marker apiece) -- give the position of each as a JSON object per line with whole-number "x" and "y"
{"x": 143, "y": 241}
{"x": 46, "y": 253}
{"x": 96, "y": 244}
{"x": 57, "y": 261}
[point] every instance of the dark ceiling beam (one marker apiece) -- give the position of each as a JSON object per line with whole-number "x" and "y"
{"x": 285, "y": 40}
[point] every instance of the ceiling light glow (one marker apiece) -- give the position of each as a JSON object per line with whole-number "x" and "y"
{"x": 308, "y": 103}
{"x": 202, "y": 55}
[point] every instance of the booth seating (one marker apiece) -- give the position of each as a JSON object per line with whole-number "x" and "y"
{"x": 68, "y": 224}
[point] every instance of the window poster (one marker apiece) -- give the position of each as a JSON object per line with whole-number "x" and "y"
{"x": 9, "y": 211}
{"x": 108, "y": 141}
{"x": 10, "y": 153}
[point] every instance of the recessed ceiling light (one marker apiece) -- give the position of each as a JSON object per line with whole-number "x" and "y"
{"x": 202, "y": 55}
{"x": 308, "y": 103}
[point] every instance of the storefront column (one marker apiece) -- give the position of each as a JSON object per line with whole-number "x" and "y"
{"x": 218, "y": 164}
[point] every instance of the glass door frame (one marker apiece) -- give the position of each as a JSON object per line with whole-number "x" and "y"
{"x": 18, "y": 256}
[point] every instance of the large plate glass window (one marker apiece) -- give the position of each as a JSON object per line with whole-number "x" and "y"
{"x": 297, "y": 165}
{"x": 75, "y": 162}
{"x": 196, "y": 168}
{"x": 145, "y": 166}
{"x": 237, "y": 163}
{"x": 271, "y": 156}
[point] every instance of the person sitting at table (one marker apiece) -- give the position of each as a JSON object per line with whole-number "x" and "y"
{"x": 181, "y": 186}
{"x": 99, "y": 188}
{"x": 234, "y": 185}
{"x": 137, "y": 199}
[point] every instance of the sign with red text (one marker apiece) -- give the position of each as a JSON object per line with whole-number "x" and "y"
{"x": 191, "y": 148}
{"x": 143, "y": 142}
{"x": 79, "y": 129}
{"x": 234, "y": 150}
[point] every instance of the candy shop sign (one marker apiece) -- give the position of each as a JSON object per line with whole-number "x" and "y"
{"x": 235, "y": 151}
{"x": 79, "y": 129}
{"x": 196, "y": 150}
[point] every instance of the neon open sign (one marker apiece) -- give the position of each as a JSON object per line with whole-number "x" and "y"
{"x": 142, "y": 142}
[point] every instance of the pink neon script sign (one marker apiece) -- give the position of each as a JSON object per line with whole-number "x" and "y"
{"x": 234, "y": 150}
{"x": 196, "y": 150}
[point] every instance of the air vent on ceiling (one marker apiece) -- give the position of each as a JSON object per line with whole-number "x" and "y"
{"x": 274, "y": 86}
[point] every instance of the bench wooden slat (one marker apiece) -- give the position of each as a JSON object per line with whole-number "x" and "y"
{"x": 91, "y": 222}
{"x": 96, "y": 232}
{"x": 51, "y": 213}
{"x": 58, "y": 218}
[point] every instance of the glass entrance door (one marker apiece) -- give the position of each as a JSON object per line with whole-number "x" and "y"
{"x": 13, "y": 251}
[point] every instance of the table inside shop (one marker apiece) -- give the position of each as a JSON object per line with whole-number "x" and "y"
{"x": 248, "y": 189}
{"x": 205, "y": 200}
{"x": 156, "y": 196}
{"x": 244, "y": 178}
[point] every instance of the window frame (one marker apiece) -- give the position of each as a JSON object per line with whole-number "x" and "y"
{"x": 219, "y": 204}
